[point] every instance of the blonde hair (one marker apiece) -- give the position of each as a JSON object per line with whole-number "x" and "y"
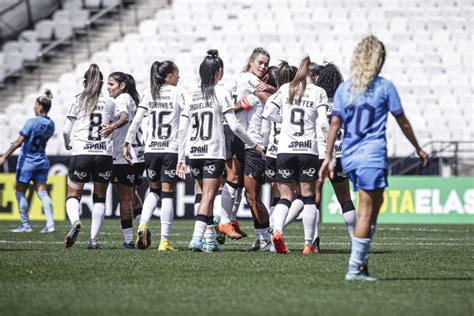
{"x": 255, "y": 53}
{"x": 367, "y": 61}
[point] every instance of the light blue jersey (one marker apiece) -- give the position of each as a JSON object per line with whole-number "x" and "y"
{"x": 364, "y": 119}
{"x": 37, "y": 132}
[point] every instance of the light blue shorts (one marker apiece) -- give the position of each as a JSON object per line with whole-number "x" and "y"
{"x": 25, "y": 175}
{"x": 368, "y": 179}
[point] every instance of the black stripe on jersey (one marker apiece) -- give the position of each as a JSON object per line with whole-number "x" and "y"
{"x": 228, "y": 111}
{"x": 182, "y": 114}
{"x": 141, "y": 106}
{"x": 276, "y": 105}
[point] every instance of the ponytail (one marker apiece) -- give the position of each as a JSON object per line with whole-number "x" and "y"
{"x": 130, "y": 85}
{"x": 298, "y": 84}
{"x": 45, "y": 100}
{"x": 93, "y": 81}
{"x": 211, "y": 64}
{"x": 158, "y": 73}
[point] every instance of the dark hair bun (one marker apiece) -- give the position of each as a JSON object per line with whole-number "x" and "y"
{"x": 48, "y": 94}
{"x": 213, "y": 53}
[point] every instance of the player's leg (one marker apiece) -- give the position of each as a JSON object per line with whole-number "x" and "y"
{"x": 125, "y": 194}
{"x": 137, "y": 202}
{"x": 168, "y": 189}
{"x": 310, "y": 214}
{"x": 343, "y": 195}
{"x": 20, "y": 193}
{"x": 43, "y": 195}
{"x": 280, "y": 212}
{"x": 229, "y": 194}
{"x": 296, "y": 208}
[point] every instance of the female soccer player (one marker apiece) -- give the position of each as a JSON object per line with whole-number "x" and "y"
{"x": 362, "y": 104}
{"x": 126, "y": 177}
{"x": 33, "y": 164}
{"x": 207, "y": 106}
{"x": 253, "y": 93}
{"x": 91, "y": 153}
{"x": 301, "y": 104}
{"x": 164, "y": 103}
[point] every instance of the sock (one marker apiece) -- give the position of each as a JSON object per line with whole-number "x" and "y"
{"x": 318, "y": 222}
{"x": 199, "y": 227}
{"x": 349, "y": 216}
{"x": 209, "y": 234}
{"x": 228, "y": 195}
{"x": 47, "y": 207}
{"x": 217, "y": 204}
{"x": 309, "y": 221}
{"x": 272, "y": 208}
{"x": 280, "y": 212}
{"x": 149, "y": 205}
{"x": 23, "y": 208}
{"x": 167, "y": 214}
{"x": 72, "y": 210}
{"x": 127, "y": 230}
{"x": 98, "y": 213}
{"x": 294, "y": 211}
{"x": 197, "y": 201}
{"x": 236, "y": 206}
{"x": 359, "y": 251}
{"x": 262, "y": 234}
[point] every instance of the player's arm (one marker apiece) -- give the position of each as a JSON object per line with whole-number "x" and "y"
{"x": 322, "y": 119}
{"x": 13, "y": 146}
{"x": 407, "y": 130}
{"x": 182, "y": 132}
{"x": 327, "y": 167}
{"x": 246, "y": 103}
{"x": 132, "y": 132}
{"x": 67, "y": 129}
{"x": 241, "y": 133}
{"x": 108, "y": 129}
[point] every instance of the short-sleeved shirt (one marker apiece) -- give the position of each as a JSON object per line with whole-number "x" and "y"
{"x": 246, "y": 84}
{"x": 125, "y": 103}
{"x": 206, "y": 138}
{"x": 37, "y": 131}
{"x": 86, "y": 139}
{"x": 275, "y": 129}
{"x": 364, "y": 118}
{"x": 298, "y": 126}
{"x": 322, "y": 139}
{"x": 163, "y": 119}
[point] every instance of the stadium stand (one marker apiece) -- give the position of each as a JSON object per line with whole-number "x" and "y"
{"x": 429, "y": 48}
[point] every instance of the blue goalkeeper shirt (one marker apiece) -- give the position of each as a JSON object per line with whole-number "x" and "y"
{"x": 37, "y": 132}
{"x": 364, "y": 118}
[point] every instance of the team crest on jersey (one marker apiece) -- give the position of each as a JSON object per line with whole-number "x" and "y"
{"x": 80, "y": 175}
{"x": 151, "y": 173}
{"x": 106, "y": 175}
{"x": 286, "y": 173}
{"x": 195, "y": 171}
{"x": 310, "y": 172}
{"x": 270, "y": 173}
{"x": 171, "y": 173}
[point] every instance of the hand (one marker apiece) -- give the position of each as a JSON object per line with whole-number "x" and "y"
{"x": 126, "y": 153}
{"x": 423, "y": 157}
{"x": 181, "y": 170}
{"x": 106, "y": 130}
{"x": 262, "y": 86}
{"x": 327, "y": 167}
{"x": 260, "y": 151}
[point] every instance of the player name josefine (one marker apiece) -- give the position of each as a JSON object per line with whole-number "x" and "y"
{"x": 198, "y": 106}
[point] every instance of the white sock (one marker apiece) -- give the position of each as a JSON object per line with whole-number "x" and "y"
{"x": 294, "y": 211}
{"x": 199, "y": 230}
{"x": 209, "y": 235}
{"x": 217, "y": 204}
{"x": 309, "y": 222}
{"x": 359, "y": 252}
{"x": 262, "y": 234}
{"x": 127, "y": 234}
{"x": 72, "y": 210}
{"x": 318, "y": 222}
{"x": 236, "y": 206}
{"x": 272, "y": 208}
{"x": 166, "y": 217}
{"x": 280, "y": 212}
{"x": 350, "y": 219}
{"x": 227, "y": 201}
{"x": 197, "y": 201}
{"x": 149, "y": 206}
{"x": 98, "y": 213}
{"x": 47, "y": 207}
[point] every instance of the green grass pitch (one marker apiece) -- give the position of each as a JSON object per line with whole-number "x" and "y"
{"x": 422, "y": 270}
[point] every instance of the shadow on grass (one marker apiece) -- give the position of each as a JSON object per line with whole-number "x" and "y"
{"x": 426, "y": 279}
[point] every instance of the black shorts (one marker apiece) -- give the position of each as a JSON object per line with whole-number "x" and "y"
{"x": 271, "y": 169}
{"x": 84, "y": 167}
{"x": 207, "y": 168}
{"x": 161, "y": 167}
{"x": 254, "y": 166}
{"x": 234, "y": 146}
{"x": 128, "y": 175}
{"x": 339, "y": 175}
{"x": 297, "y": 167}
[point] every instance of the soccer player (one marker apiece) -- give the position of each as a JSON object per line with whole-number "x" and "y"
{"x": 91, "y": 153}
{"x": 207, "y": 105}
{"x": 301, "y": 104}
{"x": 362, "y": 104}
{"x": 126, "y": 177}
{"x": 33, "y": 164}
{"x": 253, "y": 92}
{"x": 164, "y": 102}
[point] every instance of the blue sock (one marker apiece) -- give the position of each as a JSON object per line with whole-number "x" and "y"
{"x": 359, "y": 250}
{"x": 23, "y": 208}
{"x": 47, "y": 207}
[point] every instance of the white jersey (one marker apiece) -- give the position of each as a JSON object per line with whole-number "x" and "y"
{"x": 125, "y": 103}
{"x": 86, "y": 139}
{"x": 322, "y": 140}
{"x": 275, "y": 129}
{"x": 163, "y": 119}
{"x": 298, "y": 127}
{"x": 245, "y": 85}
{"x": 206, "y": 138}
